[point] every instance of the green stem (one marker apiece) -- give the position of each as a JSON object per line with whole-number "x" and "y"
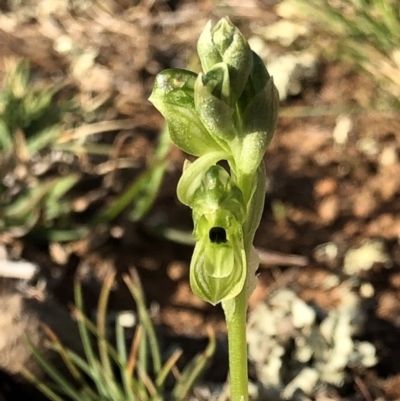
{"x": 236, "y": 309}
{"x": 236, "y": 325}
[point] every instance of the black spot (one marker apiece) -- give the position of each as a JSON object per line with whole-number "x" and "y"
{"x": 217, "y": 235}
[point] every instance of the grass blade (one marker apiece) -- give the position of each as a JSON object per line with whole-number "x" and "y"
{"x": 193, "y": 371}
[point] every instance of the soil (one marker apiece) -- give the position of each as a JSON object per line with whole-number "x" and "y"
{"x": 320, "y": 190}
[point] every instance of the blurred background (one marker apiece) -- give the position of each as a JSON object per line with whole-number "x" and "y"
{"x": 88, "y": 178}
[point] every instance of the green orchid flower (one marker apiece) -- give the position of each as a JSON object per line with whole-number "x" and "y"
{"x": 229, "y": 113}
{"x": 224, "y": 116}
{"x": 218, "y": 268}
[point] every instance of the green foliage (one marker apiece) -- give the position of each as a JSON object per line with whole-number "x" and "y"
{"x": 116, "y": 373}
{"x": 142, "y": 192}
{"x": 24, "y": 106}
{"x": 363, "y": 32}
{"x": 35, "y": 198}
{"x": 30, "y": 121}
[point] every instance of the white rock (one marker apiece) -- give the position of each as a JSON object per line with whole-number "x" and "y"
{"x": 364, "y": 257}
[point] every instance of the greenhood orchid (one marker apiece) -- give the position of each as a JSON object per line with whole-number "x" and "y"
{"x": 225, "y": 116}
{"x": 228, "y": 112}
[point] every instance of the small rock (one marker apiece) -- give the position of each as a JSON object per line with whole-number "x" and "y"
{"x": 364, "y": 204}
{"x": 388, "y": 156}
{"x": 327, "y": 252}
{"x": 328, "y": 209}
{"x": 325, "y": 186}
{"x": 290, "y": 70}
{"x": 342, "y": 129}
{"x": 364, "y": 257}
{"x": 283, "y": 31}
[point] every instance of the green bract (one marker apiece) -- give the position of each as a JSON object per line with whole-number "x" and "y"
{"x": 258, "y": 109}
{"x": 227, "y": 113}
{"x": 173, "y": 95}
{"x": 212, "y": 102}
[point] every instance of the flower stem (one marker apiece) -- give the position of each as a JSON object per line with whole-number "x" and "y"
{"x": 236, "y": 325}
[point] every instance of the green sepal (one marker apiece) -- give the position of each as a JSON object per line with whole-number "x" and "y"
{"x": 173, "y": 96}
{"x": 209, "y": 52}
{"x": 225, "y": 43}
{"x": 256, "y": 81}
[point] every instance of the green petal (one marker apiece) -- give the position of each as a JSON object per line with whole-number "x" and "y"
{"x": 223, "y": 236}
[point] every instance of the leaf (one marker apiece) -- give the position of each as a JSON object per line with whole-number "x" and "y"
{"x": 149, "y": 188}
{"x": 6, "y": 142}
{"x": 53, "y": 205}
{"x": 42, "y": 139}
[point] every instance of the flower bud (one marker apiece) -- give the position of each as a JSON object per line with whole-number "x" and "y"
{"x": 225, "y": 43}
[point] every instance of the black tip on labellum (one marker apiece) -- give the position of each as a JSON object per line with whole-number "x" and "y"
{"x": 217, "y": 235}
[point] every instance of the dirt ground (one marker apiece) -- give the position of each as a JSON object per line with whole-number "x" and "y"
{"x": 333, "y": 177}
